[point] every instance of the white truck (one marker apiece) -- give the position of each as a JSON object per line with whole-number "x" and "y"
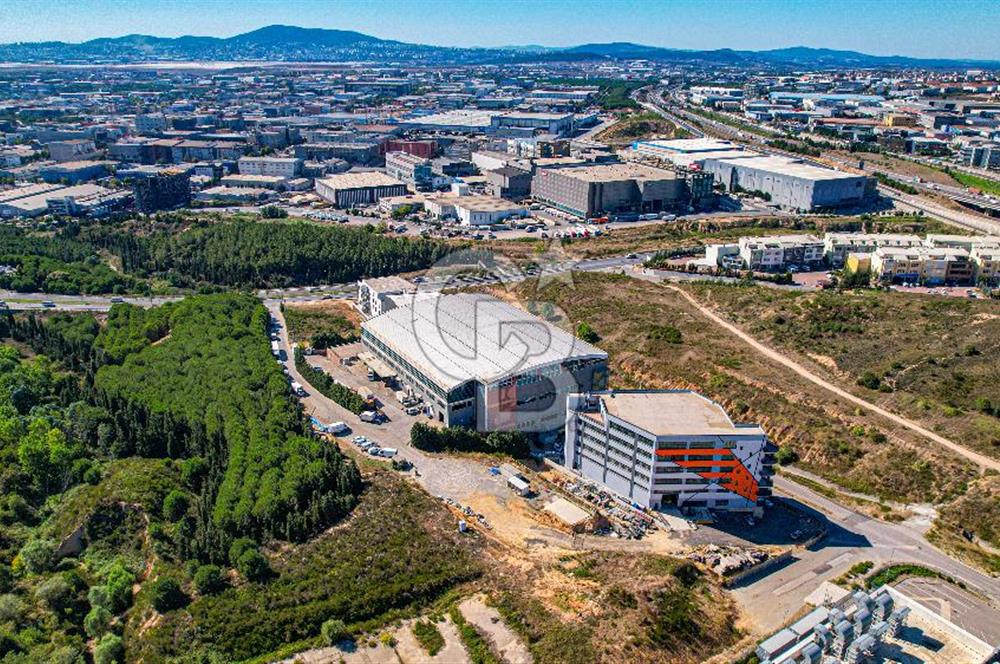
{"x": 369, "y": 416}
{"x": 388, "y": 452}
{"x": 298, "y": 389}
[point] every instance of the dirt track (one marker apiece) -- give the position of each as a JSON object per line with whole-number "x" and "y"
{"x": 981, "y": 460}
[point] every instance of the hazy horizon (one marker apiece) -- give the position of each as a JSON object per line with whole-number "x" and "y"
{"x": 913, "y": 28}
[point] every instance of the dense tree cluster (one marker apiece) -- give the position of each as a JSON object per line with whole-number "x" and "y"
{"x": 55, "y": 264}
{"x": 254, "y": 254}
{"x": 327, "y": 386}
{"x": 212, "y": 390}
{"x": 454, "y": 439}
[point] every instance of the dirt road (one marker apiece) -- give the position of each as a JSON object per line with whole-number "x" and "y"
{"x": 979, "y": 459}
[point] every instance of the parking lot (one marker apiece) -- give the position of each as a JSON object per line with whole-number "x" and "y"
{"x": 959, "y": 606}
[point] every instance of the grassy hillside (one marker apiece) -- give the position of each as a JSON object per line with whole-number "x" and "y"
{"x": 932, "y": 359}
{"x": 657, "y": 340}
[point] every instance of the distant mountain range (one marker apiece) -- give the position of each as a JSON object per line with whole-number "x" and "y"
{"x": 294, "y": 44}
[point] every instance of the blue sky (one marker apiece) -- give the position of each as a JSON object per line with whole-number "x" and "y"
{"x": 926, "y": 28}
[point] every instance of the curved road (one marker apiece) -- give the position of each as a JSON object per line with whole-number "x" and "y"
{"x": 981, "y": 460}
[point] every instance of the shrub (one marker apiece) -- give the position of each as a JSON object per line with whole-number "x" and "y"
{"x": 175, "y": 505}
{"x": 869, "y": 380}
{"x": 333, "y": 631}
{"x": 587, "y": 333}
{"x": 193, "y": 472}
{"x": 667, "y": 333}
{"x": 208, "y": 579}
{"x": 109, "y": 650}
{"x": 11, "y": 609}
{"x": 167, "y": 595}
{"x": 786, "y": 455}
{"x": 97, "y": 621}
{"x": 38, "y": 556}
{"x": 428, "y": 636}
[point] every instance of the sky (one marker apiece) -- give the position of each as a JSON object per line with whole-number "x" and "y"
{"x": 921, "y": 28}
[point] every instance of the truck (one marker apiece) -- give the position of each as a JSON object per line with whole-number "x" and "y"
{"x": 388, "y": 452}
{"x": 276, "y": 349}
{"x": 369, "y": 416}
{"x": 298, "y": 389}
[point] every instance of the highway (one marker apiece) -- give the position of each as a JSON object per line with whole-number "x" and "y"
{"x": 970, "y": 220}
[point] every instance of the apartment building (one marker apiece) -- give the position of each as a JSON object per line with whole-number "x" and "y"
{"x": 986, "y": 258}
{"x": 837, "y": 246}
{"x": 924, "y": 265}
{"x": 779, "y": 252}
{"x": 668, "y": 448}
{"x": 283, "y": 167}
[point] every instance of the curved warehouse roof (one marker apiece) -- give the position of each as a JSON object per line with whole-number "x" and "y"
{"x": 456, "y": 338}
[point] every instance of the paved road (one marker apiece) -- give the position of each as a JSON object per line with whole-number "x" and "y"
{"x": 968, "y": 612}
{"x": 979, "y": 459}
{"x": 853, "y": 537}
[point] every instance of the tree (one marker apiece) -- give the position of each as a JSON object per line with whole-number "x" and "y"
{"x": 786, "y": 455}
{"x": 208, "y": 579}
{"x": 240, "y": 546}
{"x": 167, "y": 595}
{"x": 55, "y": 592}
{"x": 334, "y": 631}
{"x": 273, "y": 212}
{"x": 175, "y": 505}
{"x": 38, "y": 556}
{"x": 109, "y": 650}
{"x": 253, "y": 566}
{"x": 46, "y": 456}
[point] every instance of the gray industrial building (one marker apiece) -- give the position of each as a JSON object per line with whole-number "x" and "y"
{"x": 479, "y": 362}
{"x": 349, "y": 189}
{"x": 791, "y": 184}
{"x": 595, "y": 189}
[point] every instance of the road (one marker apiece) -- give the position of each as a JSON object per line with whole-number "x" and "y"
{"x": 981, "y": 460}
{"x": 852, "y": 538}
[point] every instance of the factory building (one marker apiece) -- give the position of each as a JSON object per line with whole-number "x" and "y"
{"x": 411, "y": 169}
{"x": 479, "y": 362}
{"x": 789, "y": 183}
{"x": 596, "y": 189}
{"x": 283, "y": 167}
{"x": 350, "y": 189}
{"x": 667, "y": 448}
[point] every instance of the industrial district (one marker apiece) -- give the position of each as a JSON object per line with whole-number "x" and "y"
{"x": 621, "y": 356}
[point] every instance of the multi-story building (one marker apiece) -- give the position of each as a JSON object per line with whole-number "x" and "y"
{"x": 595, "y": 189}
{"x": 986, "y": 258}
{"x": 167, "y": 189}
{"x": 479, "y": 362}
{"x": 379, "y": 295}
{"x": 667, "y": 448}
{"x": 350, "y": 189}
{"x": 780, "y": 251}
{"x": 284, "y": 167}
{"x": 150, "y": 123}
{"x": 414, "y": 171}
{"x": 79, "y": 149}
{"x": 837, "y": 246}
{"x": 924, "y": 265}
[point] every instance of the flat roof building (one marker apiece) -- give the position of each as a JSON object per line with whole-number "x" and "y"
{"x": 349, "y": 189}
{"x": 837, "y": 246}
{"x": 480, "y": 362}
{"x": 789, "y": 183}
{"x": 595, "y": 189}
{"x": 667, "y": 448}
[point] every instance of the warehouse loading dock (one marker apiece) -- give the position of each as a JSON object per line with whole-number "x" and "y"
{"x": 378, "y": 367}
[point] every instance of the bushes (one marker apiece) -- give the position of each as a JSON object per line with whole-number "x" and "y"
{"x": 327, "y": 386}
{"x": 786, "y": 455}
{"x": 38, "y": 556}
{"x": 334, "y": 631}
{"x": 454, "y": 439}
{"x": 587, "y": 333}
{"x": 109, "y": 650}
{"x": 428, "y": 636}
{"x": 475, "y": 645}
{"x": 894, "y": 572}
{"x": 253, "y": 565}
{"x": 667, "y": 333}
{"x": 175, "y": 505}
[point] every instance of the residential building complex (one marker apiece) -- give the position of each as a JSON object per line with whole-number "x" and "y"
{"x": 667, "y": 448}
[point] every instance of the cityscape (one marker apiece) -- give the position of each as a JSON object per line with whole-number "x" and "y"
{"x": 503, "y": 338}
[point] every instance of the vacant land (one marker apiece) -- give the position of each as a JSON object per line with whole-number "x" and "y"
{"x": 333, "y": 320}
{"x": 884, "y": 162}
{"x": 638, "y": 127}
{"x": 985, "y": 185}
{"x": 617, "y": 607}
{"x": 931, "y": 359}
{"x": 857, "y": 451}
{"x": 692, "y": 235}
{"x": 970, "y": 526}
